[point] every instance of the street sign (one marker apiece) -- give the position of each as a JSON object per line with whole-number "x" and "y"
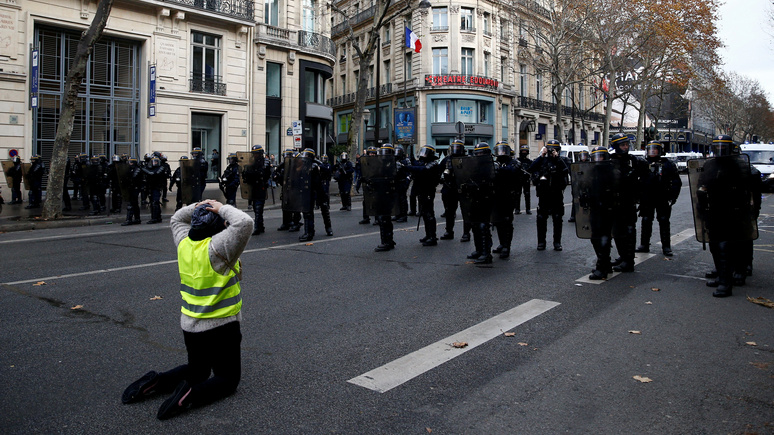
{"x": 459, "y": 127}
{"x": 289, "y": 131}
{"x": 297, "y": 141}
{"x": 298, "y": 128}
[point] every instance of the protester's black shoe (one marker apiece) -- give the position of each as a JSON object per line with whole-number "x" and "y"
{"x": 723, "y": 291}
{"x": 141, "y": 388}
{"x": 176, "y": 403}
{"x": 597, "y": 275}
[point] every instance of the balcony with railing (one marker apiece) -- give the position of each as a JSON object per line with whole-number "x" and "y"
{"x": 545, "y": 106}
{"x": 317, "y": 42}
{"x": 439, "y": 29}
{"x": 465, "y": 28}
{"x": 299, "y": 39}
{"x": 207, "y": 84}
{"x": 350, "y": 98}
{"x": 241, "y": 9}
{"x": 358, "y": 19}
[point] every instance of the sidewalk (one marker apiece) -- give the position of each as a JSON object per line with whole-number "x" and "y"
{"x": 17, "y": 218}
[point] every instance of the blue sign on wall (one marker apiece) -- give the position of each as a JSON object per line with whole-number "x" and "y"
{"x": 34, "y": 79}
{"x": 405, "y": 125}
{"x": 152, "y": 91}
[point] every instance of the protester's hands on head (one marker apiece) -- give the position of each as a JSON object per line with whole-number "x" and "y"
{"x": 213, "y": 206}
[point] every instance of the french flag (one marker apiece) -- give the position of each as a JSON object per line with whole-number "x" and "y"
{"x": 412, "y": 40}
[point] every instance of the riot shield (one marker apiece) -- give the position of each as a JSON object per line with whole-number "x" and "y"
{"x": 722, "y": 198}
{"x": 251, "y": 169}
{"x": 594, "y": 194}
{"x": 474, "y": 176}
{"x": 93, "y": 175}
{"x": 124, "y": 176}
{"x": 7, "y": 166}
{"x": 297, "y": 186}
{"x": 380, "y": 191}
{"x": 190, "y": 190}
{"x": 25, "y": 170}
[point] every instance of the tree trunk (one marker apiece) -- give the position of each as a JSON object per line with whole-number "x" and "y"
{"x": 52, "y": 208}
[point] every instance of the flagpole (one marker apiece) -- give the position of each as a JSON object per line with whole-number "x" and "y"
{"x": 405, "y": 26}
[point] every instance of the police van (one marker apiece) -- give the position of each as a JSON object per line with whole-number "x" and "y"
{"x": 572, "y": 152}
{"x": 681, "y": 159}
{"x": 762, "y": 157}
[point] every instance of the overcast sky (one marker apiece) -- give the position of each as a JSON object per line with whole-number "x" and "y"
{"x": 748, "y": 32}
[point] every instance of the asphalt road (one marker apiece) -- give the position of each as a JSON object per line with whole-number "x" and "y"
{"x": 82, "y": 320}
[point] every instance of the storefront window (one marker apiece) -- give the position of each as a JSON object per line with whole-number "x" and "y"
{"x": 442, "y": 111}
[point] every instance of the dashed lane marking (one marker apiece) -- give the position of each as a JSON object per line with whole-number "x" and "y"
{"x": 640, "y": 257}
{"x": 395, "y": 373}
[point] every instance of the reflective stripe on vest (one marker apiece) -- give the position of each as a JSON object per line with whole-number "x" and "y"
{"x": 206, "y": 293}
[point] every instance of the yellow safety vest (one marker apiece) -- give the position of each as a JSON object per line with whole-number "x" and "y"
{"x": 206, "y": 293}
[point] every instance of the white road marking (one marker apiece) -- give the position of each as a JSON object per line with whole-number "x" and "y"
{"x": 640, "y": 257}
{"x": 403, "y": 369}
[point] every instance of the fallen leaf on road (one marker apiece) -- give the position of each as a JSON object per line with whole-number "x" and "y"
{"x": 467, "y": 262}
{"x": 510, "y": 334}
{"x": 156, "y": 298}
{"x": 460, "y": 344}
{"x": 761, "y": 301}
{"x": 760, "y": 365}
{"x": 635, "y": 332}
{"x": 655, "y": 289}
{"x": 428, "y": 430}
{"x": 642, "y": 379}
{"x": 579, "y": 285}
{"x": 523, "y": 344}
{"x": 309, "y": 244}
{"x": 39, "y": 283}
{"x": 77, "y": 307}
{"x": 667, "y": 259}
{"x": 751, "y": 343}
{"x": 649, "y": 303}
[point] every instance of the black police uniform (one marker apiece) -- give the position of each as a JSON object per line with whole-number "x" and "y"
{"x": 343, "y": 173}
{"x": 550, "y": 176}
{"x": 426, "y": 173}
{"x": 660, "y": 188}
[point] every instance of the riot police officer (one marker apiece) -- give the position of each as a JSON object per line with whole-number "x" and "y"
{"x": 79, "y": 178}
{"x": 94, "y": 181}
{"x": 115, "y": 190}
{"x": 35, "y": 176}
{"x": 291, "y": 220}
{"x": 380, "y": 176}
{"x": 550, "y": 174}
{"x": 155, "y": 181}
{"x": 370, "y": 151}
{"x": 16, "y": 173}
{"x": 474, "y": 176}
{"x": 508, "y": 173}
{"x": 449, "y": 194}
{"x": 177, "y": 179}
{"x": 402, "y": 183}
{"x": 525, "y": 162}
{"x": 625, "y": 209}
{"x": 583, "y": 156}
{"x": 326, "y": 173}
{"x": 725, "y": 210}
{"x": 257, "y": 177}
{"x": 135, "y": 186}
{"x": 167, "y": 175}
{"x": 426, "y": 173}
{"x": 660, "y": 189}
{"x": 230, "y": 179}
{"x": 316, "y": 195}
{"x": 598, "y": 196}
{"x": 198, "y": 155}
{"x": 343, "y": 173}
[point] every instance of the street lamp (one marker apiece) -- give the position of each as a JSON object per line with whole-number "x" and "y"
{"x": 366, "y": 117}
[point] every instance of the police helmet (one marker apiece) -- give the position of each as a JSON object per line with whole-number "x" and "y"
{"x": 344, "y": 157}
{"x": 288, "y": 153}
{"x": 148, "y": 157}
{"x": 724, "y": 145}
{"x": 35, "y": 157}
{"x": 482, "y": 149}
{"x": 427, "y": 152}
{"x": 257, "y": 149}
{"x": 619, "y": 140}
{"x": 457, "y": 148}
{"x": 308, "y": 153}
{"x": 102, "y": 158}
{"x": 553, "y": 145}
{"x": 116, "y": 158}
{"x": 155, "y": 162}
{"x": 654, "y": 150}
{"x": 124, "y": 157}
{"x": 583, "y": 156}
{"x": 133, "y": 160}
{"x": 600, "y": 154}
{"x": 524, "y": 150}
{"x": 502, "y": 149}
{"x": 157, "y": 154}
{"x": 371, "y": 151}
{"x": 325, "y": 158}
{"x": 183, "y": 157}
{"x": 386, "y": 150}
{"x": 400, "y": 152}
{"x": 163, "y": 157}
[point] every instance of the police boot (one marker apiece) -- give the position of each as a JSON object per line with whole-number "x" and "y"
{"x": 449, "y": 233}
{"x": 386, "y": 238}
{"x": 542, "y": 229}
{"x": 666, "y": 240}
{"x": 325, "y": 211}
{"x": 506, "y": 237}
{"x": 308, "y": 231}
{"x": 430, "y": 232}
{"x": 95, "y": 205}
{"x": 465, "y": 232}
{"x": 478, "y": 243}
{"x": 647, "y": 230}
{"x": 486, "y": 242}
{"x": 557, "y": 233}
{"x": 602, "y": 250}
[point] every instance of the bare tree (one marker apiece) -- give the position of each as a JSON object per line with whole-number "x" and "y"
{"x": 52, "y": 208}
{"x": 365, "y": 43}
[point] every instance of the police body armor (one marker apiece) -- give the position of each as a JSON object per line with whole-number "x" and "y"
{"x": 124, "y": 176}
{"x": 380, "y": 190}
{"x": 251, "y": 168}
{"x": 474, "y": 176}
{"x": 722, "y": 198}
{"x": 596, "y": 190}
{"x": 190, "y": 189}
{"x": 297, "y": 185}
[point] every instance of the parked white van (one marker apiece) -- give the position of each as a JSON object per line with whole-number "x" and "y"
{"x": 572, "y": 152}
{"x": 762, "y": 157}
